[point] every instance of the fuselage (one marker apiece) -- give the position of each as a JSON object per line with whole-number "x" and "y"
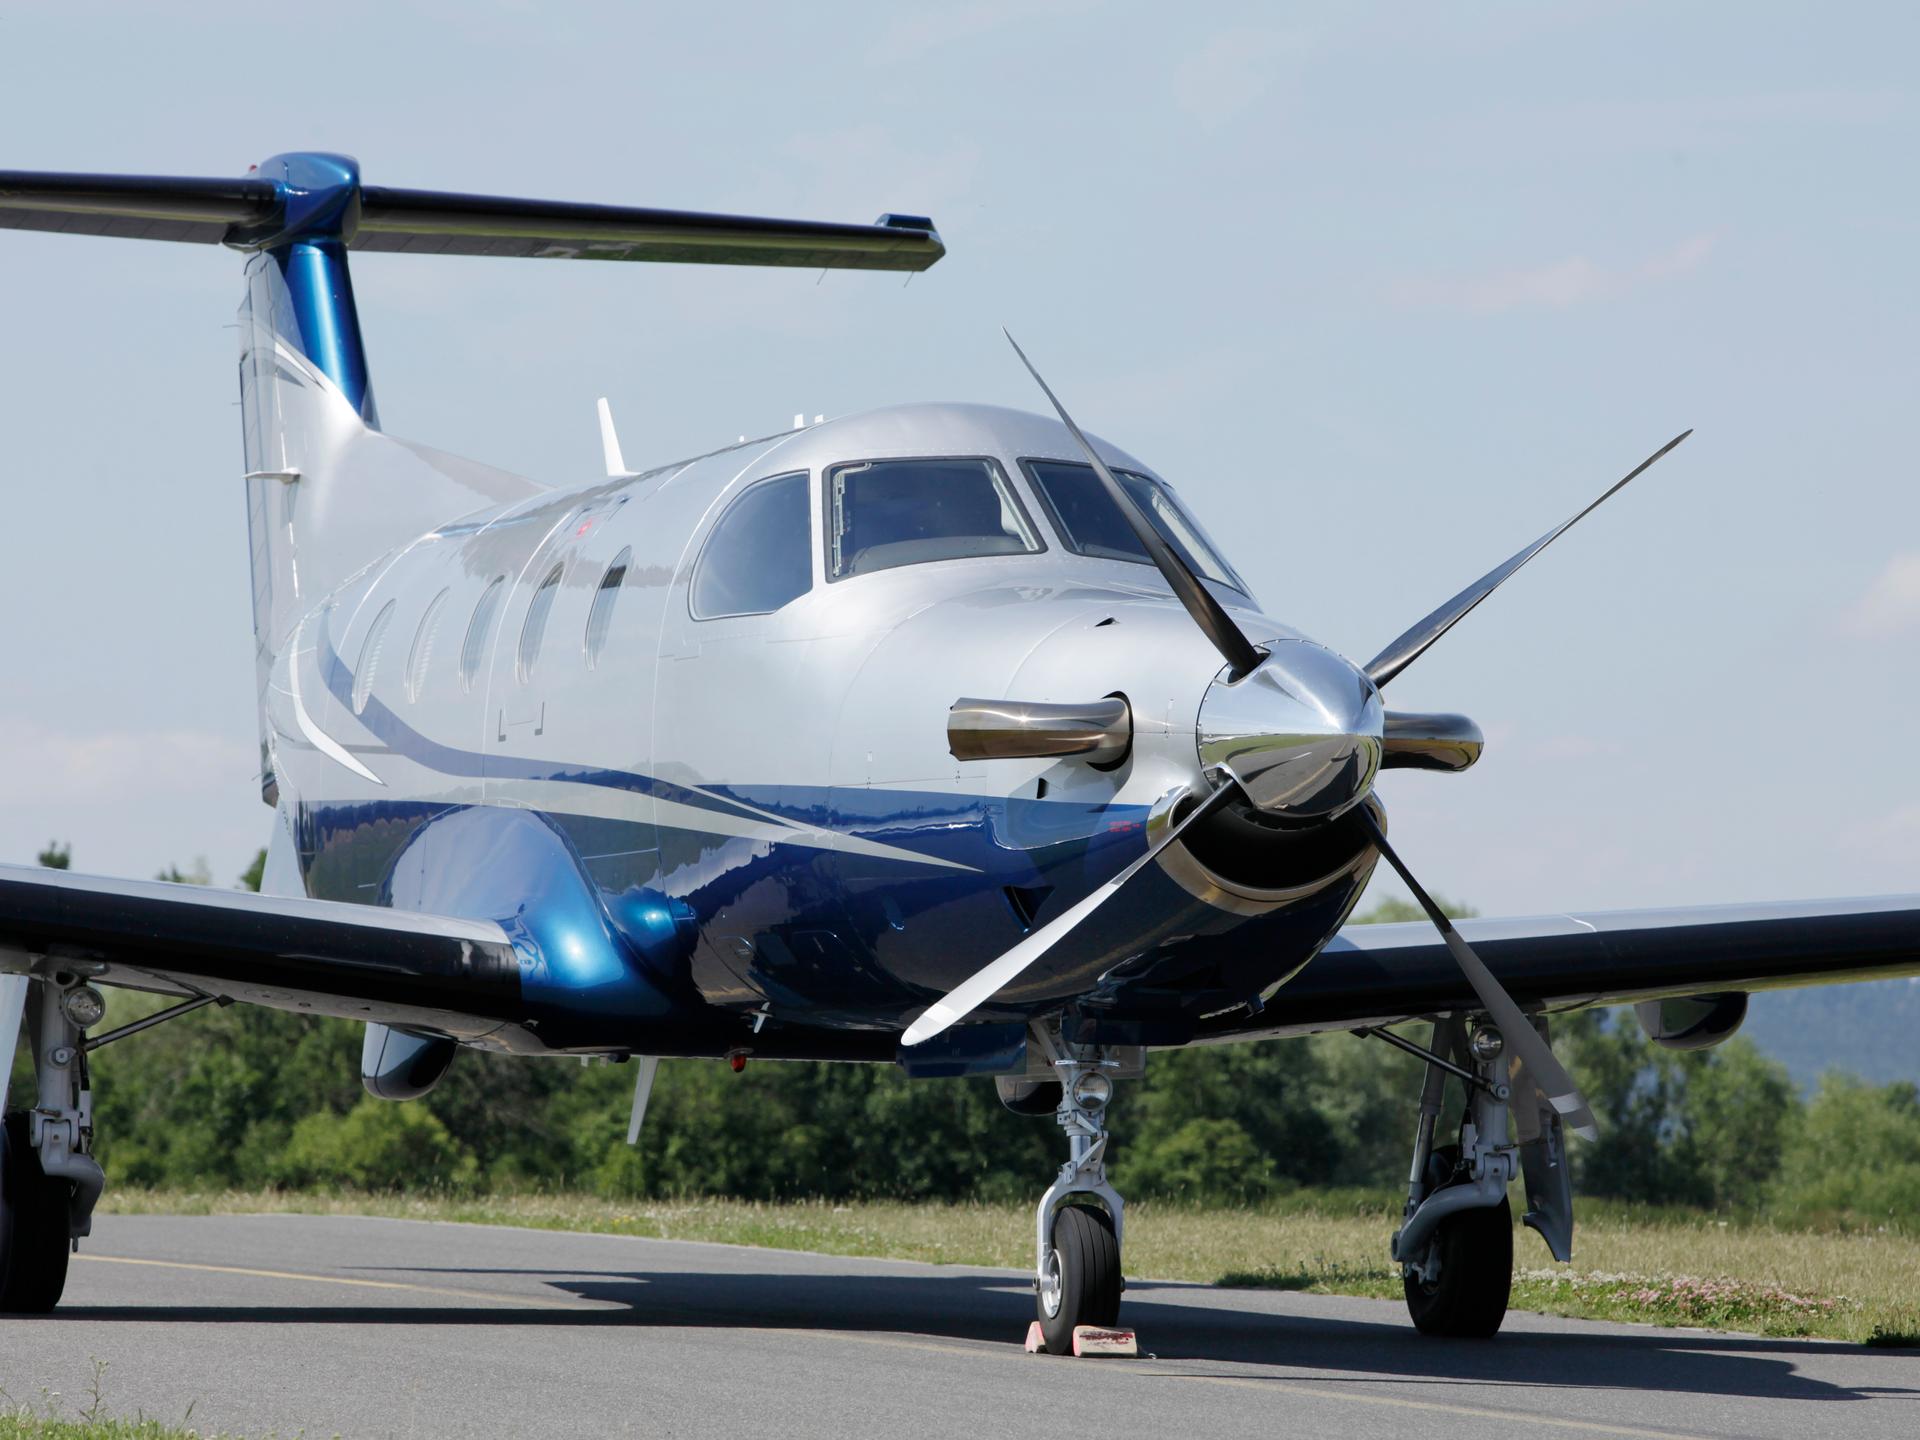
{"x": 555, "y": 714}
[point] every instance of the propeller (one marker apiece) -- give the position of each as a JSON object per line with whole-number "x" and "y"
{"x": 1515, "y": 1028}
{"x": 981, "y": 986}
{"x": 1240, "y": 653}
{"x": 1410, "y": 646}
{"x": 1430, "y": 741}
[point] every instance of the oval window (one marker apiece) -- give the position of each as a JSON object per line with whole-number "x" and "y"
{"x": 370, "y": 657}
{"x": 600, "y": 617}
{"x": 535, "y": 627}
{"x": 760, "y": 555}
{"x": 421, "y": 658}
{"x": 473, "y": 650}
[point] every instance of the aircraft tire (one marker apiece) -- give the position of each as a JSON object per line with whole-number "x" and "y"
{"x": 34, "y": 1210}
{"x": 1469, "y": 1300}
{"x": 1086, "y": 1277}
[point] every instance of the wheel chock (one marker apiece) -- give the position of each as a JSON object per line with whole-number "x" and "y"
{"x": 1098, "y": 1340}
{"x": 1088, "y": 1341}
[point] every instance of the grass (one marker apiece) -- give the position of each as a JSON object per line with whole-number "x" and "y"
{"x": 27, "y": 1425}
{"x": 48, "y": 1421}
{"x": 1660, "y": 1267}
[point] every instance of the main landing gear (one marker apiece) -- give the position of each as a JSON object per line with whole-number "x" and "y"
{"x": 1455, "y": 1246}
{"x": 49, "y": 1182}
{"x": 1080, "y": 1221}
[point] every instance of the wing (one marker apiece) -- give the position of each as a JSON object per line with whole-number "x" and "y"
{"x": 1382, "y": 974}
{"x": 316, "y": 957}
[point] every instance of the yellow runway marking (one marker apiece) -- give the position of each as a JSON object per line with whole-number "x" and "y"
{"x": 491, "y": 1296}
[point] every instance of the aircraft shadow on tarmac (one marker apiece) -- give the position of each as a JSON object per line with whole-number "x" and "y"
{"x": 996, "y": 1308}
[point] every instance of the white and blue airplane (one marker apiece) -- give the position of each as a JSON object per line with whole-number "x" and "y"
{"x": 940, "y": 736}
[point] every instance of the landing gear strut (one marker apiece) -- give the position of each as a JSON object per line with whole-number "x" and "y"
{"x": 1455, "y": 1246}
{"x": 1080, "y": 1221}
{"x": 49, "y": 1182}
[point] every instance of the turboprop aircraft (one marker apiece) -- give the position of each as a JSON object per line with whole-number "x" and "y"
{"x": 941, "y": 736}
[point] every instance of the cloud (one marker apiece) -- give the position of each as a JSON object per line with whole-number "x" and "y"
{"x": 49, "y": 766}
{"x": 1891, "y": 605}
{"x": 1230, "y": 72}
{"x": 1886, "y": 848}
{"x": 1560, "y": 284}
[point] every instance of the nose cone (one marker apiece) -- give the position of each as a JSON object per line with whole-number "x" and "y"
{"x": 1302, "y": 734}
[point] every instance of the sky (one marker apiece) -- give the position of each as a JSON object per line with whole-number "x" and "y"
{"x": 1386, "y": 290}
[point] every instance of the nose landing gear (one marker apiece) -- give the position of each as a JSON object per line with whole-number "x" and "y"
{"x": 1081, "y": 1220}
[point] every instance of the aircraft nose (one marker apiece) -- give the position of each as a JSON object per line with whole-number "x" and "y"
{"x": 1303, "y": 734}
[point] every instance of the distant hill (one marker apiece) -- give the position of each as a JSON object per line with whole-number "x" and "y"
{"x": 1871, "y": 1030}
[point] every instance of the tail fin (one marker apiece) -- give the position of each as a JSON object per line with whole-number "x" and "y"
{"x": 326, "y": 491}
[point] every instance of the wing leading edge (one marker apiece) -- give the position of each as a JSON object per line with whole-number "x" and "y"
{"x": 1382, "y": 974}
{"x": 317, "y": 957}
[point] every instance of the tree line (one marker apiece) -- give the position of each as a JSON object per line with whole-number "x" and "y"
{"x": 249, "y": 1098}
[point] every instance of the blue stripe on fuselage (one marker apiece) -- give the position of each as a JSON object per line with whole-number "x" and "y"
{"x": 852, "y": 937}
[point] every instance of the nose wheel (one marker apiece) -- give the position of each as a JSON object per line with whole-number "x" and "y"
{"x": 1079, "y": 1282}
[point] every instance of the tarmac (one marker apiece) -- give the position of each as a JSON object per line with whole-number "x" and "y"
{"x": 325, "y": 1325}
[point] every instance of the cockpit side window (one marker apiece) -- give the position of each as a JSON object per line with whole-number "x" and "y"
{"x": 760, "y": 556}
{"x": 1091, "y": 524}
{"x": 883, "y": 513}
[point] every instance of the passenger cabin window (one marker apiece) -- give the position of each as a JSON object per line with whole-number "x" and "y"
{"x": 760, "y": 555}
{"x": 535, "y": 628}
{"x": 884, "y": 513}
{"x": 473, "y": 650}
{"x": 421, "y": 658}
{"x": 1091, "y": 524}
{"x": 600, "y": 616}
{"x": 370, "y": 657}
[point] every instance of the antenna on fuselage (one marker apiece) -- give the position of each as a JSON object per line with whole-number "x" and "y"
{"x": 610, "y": 445}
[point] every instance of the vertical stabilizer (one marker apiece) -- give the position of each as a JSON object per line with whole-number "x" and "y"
{"x": 327, "y": 493}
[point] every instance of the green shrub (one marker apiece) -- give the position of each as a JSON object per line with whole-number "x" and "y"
{"x": 377, "y": 1145}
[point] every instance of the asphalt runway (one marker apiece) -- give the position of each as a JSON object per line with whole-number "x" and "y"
{"x": 315, "y": 1326}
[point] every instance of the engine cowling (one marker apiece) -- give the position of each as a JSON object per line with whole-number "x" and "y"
{"x": 1693, "y": 1022}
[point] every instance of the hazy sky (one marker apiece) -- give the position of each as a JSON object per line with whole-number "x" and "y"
{"x": 1386, "y": 290}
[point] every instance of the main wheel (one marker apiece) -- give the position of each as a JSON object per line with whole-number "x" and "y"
{"x": 1468, "y": 1299}
{"x": 1081, "y": 1285}
{"x": 34, "y": 1216}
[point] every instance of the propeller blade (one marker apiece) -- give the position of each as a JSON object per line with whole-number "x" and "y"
{"x": 981, "y": 986}
{"x": 1228, "y": 638}
{"x": 1409, "y": 647}
{"x": 1515, "y": 1028}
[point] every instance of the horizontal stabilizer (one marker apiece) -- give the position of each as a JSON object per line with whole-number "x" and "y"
{"x": 255, "y": 213}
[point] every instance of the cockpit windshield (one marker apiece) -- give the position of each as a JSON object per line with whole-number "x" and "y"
{"x": 883, "y": 513}
{"x": 1091, "y": 524}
